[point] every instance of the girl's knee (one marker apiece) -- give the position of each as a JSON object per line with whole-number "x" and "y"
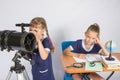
{"x": 101, "y": 79}
{"x": 76, "y": 76}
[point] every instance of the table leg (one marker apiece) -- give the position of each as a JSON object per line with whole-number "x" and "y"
{"x": 110, "y": 75}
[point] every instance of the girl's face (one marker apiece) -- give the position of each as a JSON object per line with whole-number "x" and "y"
{"x": 90, "y": 37}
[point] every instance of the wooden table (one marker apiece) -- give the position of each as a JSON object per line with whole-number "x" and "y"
{"x": 68, "y": 60}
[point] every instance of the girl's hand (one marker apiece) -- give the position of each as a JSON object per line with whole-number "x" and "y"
{"x": 82, "y": 56}
{"x": 98, "y": 41}
{"x": 38, "y": 33}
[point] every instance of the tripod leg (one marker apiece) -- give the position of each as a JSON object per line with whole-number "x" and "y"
{"x": 20, "y": 76}
{"x": 26, "y": 75}
{"x": 9, "y": 75}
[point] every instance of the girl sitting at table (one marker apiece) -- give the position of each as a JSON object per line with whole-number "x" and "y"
{"x": 91, "y": 44}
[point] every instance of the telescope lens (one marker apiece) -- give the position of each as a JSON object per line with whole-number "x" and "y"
{"x": 12, "y": 40}
{"x": 2, "y": 39}
{"x": 29, "y": 42}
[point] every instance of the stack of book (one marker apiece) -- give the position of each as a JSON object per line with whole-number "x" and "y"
{"x": 111, "y": 64}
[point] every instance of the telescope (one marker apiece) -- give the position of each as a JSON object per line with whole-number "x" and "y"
{"x": 13, "y": 40}
{"x": 22, "y": 41}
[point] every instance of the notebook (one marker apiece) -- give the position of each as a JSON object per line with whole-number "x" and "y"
{"x": 96, "y": 67}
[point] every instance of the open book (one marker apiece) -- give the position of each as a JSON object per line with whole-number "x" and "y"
{"x": 96, "y": 58}
{"x": 97, "y": 66}
{"x": 89, "y": 58}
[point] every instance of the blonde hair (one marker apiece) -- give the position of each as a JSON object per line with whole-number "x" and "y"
{"x": 41, "y": 21}
{"x": 94, "y": 27}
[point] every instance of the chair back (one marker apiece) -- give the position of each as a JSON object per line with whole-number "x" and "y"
{"x": 66, "y": 44}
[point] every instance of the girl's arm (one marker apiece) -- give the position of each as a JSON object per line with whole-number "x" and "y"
{"x": 104, "y": 51}
{"x": 43, "y": 53}
{"x": 39, "y": 37}
{"x": 68, "y": 52}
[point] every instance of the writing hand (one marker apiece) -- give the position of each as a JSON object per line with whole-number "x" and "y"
{"x": 82, "y": 56}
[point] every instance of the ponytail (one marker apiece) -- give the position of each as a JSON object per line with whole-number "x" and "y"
{"x": 51, "y": 43}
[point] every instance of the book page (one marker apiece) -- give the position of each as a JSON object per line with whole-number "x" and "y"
{"x": 79, "y": 60}
{"x": 89, "y": 58}
{"x": 97, "y": 66}
{"x": 93, "y": 57}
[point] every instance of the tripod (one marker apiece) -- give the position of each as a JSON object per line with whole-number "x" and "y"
{"x": 18, "y": 68}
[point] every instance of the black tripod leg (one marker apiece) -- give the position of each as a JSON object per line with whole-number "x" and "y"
{"x": 110, "y": 75}
{"x": 9, "y": 75}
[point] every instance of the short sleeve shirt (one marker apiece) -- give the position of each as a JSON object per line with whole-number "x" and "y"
{"x": 79, "y": 47}
{"x": 42, "y": 69}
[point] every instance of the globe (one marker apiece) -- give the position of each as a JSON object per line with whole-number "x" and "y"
{"x": 110, "y": 46}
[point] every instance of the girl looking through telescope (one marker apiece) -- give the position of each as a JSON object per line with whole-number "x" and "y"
{"x": 42, "y": 69}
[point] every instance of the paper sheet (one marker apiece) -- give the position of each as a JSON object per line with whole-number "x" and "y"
{"x": 89, "y": 57}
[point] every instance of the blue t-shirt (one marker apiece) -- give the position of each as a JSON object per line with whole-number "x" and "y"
{"x": 42, "y": 69}
{"x": 79, "y": 47}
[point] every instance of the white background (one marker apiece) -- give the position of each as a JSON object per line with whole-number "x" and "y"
{"x": 66, "y": 20}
